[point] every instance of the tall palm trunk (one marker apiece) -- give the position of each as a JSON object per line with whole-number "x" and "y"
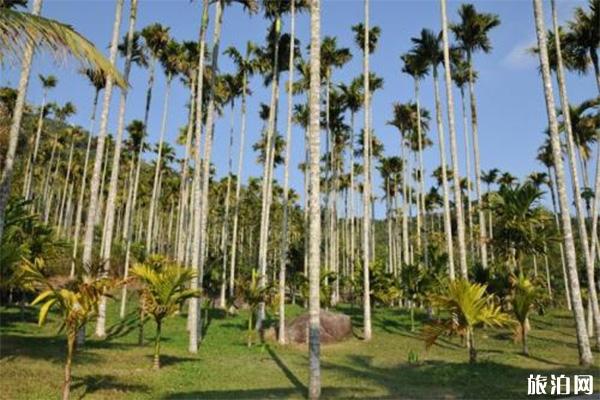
{"x": 15, "y": 127}
{"x": 184, "y": 211}
{"x": 314, "y": 257}
{"x": 238, "y": 186}
{"x": 585, "y": 354}
{"x": 421, "y": 230}
{"x": 66, "y": 187}
{"x": 201, "y": 174}
{"x": 352, "y": 202}
{"x": 225, "y": 226}
{"x": 82, "y": 187}
{"x": 157, "y": 170}
{"x": 109, "y": 220}
{"x": 583, "y": 234}
{"x": 405, "y": 204}
{"x": 475, "y": 132}
{"x": 267, "y": 192}
{"x": 446, "y": 194}
{"x": 366, "y": 233}
{"x": 133, "y": 193}
{"x": 552, "y": 178}
{"x": 95, "y": 181}
{"x": 458, "y": 207}
{"x": 36, "y": 146}
{"x": 468, "y": 169}
{"x": 288, "y": 146}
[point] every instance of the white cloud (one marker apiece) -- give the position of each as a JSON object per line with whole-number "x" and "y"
{"x": 519, "y": 57}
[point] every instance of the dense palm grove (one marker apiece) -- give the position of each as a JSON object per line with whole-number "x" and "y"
{"x": 85, "y": 213}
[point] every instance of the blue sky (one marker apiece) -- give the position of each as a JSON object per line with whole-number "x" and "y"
{"x": 512, "y": 115}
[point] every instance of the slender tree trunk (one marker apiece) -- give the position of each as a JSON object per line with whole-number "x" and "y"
{"x": 314, "y": 258}
{"x": 583, "y": 234}
{"x": 156, "y": 364}
{"x": 446, "y": 194}
{"x": 238, "y": 186}
{"x": 15, "y": 127}
{"x": 267, "y": 192}
{"x": 95, "y": 181}
{"x": 421, "y": 230}
{"x": 109, "y": 220}
{"x": 225, "y": 227}
{"x": 585, "y": 354}
{"x": 460, "y": 222}
{"x": 36, "y": 146}
{"x": 66, "y": 394}
{"x": 155, "y": 197}
{"x": 475, "y": 132}
{"x": 468, "y": 169}
{"x": 82, "y": 188}
{"x": 367, "y": 183}
{"x": 288, "y": 146}
{"x": 200, "y": 183}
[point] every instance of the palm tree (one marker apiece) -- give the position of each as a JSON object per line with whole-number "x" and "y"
{"x": 41, "y": 33}
{"x": 95, "y": 181}
{"x": 272, "y": 63}
{"x": 98, "y": 81}
{"x": 411, "y": 127}
{"x": 472, "y": 35}
{"x": 136, "y": 131}
{"x": 468, "y": 307}
{"x": 48, "y": 82}
{"x": 458, "y": 207}
{"x": 584, "y": 34}
{"x": 585, "y": 354}
{"x": 314, "y": 245}
{"x": 233, "y": 87}
{"x": 583, "y": 233}
{"x": 427, "y": 49}
{"x": 164, "y": 291}
{"x": 286, "y": 195}
{"x": 170, "y": 58}
{"x": 524, "y": 298}
{"x": 519, "y": 219}
{"x": 77, "y": 303}
{"x": 196, "y": 197}
{"x": 417, "y": 69}
{"x": 460, "y": 76}
{"x": 367, "y": 43}
{"x": 245, "y": 68}
{"x": 109, "y": 220}
{"x": 353, "y": 101}
{"x": 201, "y": 191}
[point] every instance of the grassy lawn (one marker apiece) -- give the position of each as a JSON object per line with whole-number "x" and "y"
{"x": 31, "y": 361}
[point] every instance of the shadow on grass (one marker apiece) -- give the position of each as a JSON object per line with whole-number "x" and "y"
{"x": 95, "y": 383}
{"x": 124, "y": 326}
{"x": 268, "y": 393}
{"x": 437, "y": 379}
{"x": 167, "y": 360}
{"x": 49, "y": 348}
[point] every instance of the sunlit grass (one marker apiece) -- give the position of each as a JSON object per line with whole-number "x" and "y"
{"x": 117, "y": 368}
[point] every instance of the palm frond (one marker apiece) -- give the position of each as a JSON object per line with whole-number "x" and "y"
{"x": 20, "y": 31}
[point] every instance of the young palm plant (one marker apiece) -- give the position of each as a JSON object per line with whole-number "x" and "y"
{"x": 76, "y": 302}
{"x": 164, "y": 291}
{"x": 524, "y": 298}
{"x": 468, "y": 308}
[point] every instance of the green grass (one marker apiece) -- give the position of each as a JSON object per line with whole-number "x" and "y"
{"x": 31, "y": 361}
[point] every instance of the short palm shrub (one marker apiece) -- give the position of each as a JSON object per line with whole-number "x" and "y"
{"x": 76, "y": 302}
{"x": 468, "y": 307}
{"x": 524, "y": 297}
{"x": 164, "y": 291}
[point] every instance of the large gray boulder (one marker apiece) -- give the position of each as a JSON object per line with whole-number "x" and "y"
{"x": 335, "y": 327}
